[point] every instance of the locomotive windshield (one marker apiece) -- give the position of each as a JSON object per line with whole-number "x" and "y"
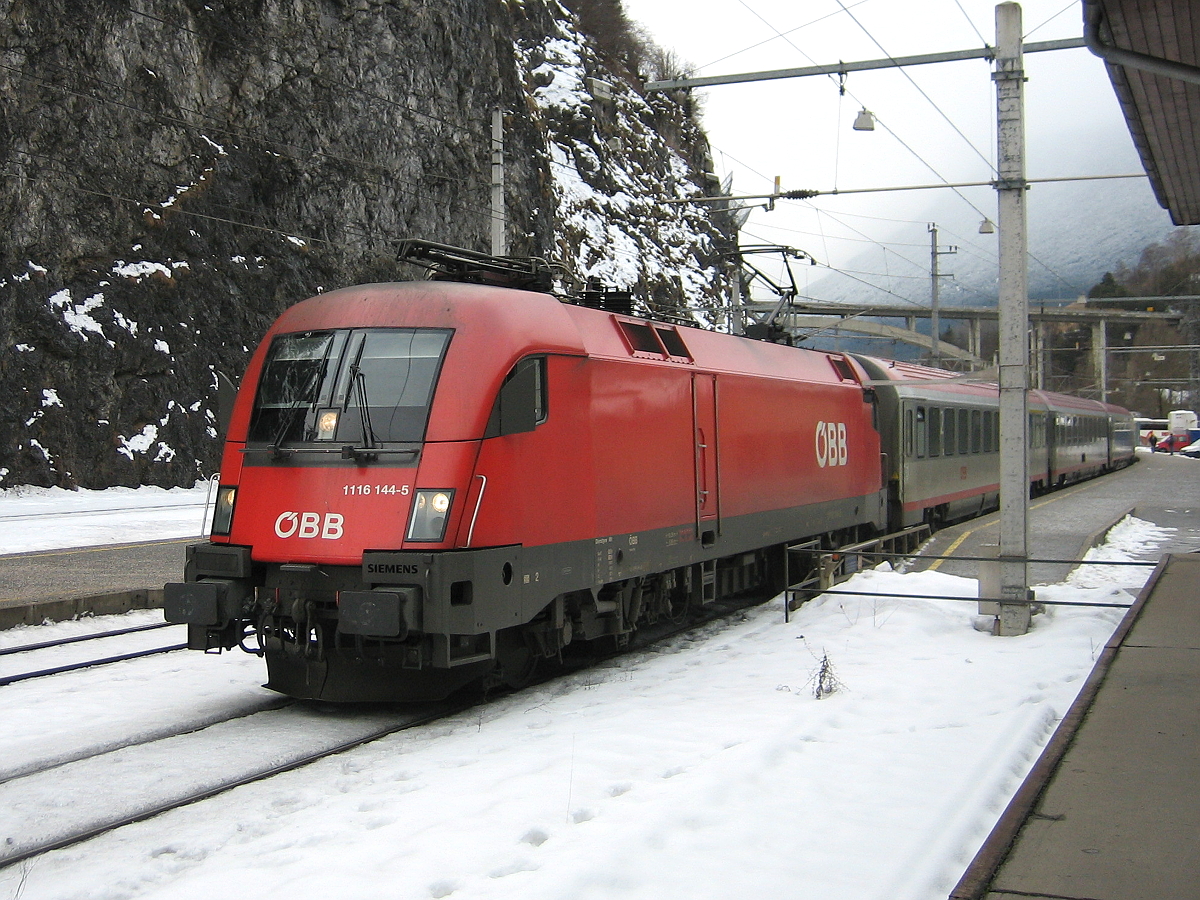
{"x": 348, "y": 386}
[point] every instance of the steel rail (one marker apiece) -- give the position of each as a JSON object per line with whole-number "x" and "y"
{"x": 24, "y": 648}
{"x": 1031, "y": 560}
{"x": 74, "y": 667}
{"x": 725, "y": 609}
{"x": 37, "y": 768}
{"x": 207, "y": 793}
{"x": 816, "y": 592}
{"x": 92, "y": 512}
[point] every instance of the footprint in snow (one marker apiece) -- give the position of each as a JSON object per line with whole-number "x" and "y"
{"x": 535, "y": 837}
{"x": 520, "y": 865}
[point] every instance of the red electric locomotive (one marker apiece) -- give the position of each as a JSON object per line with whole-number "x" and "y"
{"x": 425, "y": 484}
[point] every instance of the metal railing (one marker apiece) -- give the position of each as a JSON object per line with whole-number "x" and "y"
{"x": 811, "y": 570}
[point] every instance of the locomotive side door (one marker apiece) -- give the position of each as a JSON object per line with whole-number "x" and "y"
{"x": 708, "y": 479}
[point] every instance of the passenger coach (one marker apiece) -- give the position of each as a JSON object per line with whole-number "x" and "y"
{"x": 941, "y": 438}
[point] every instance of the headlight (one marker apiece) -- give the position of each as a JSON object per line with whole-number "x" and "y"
{"x": 223, "y": 514}
{"x": 327, "y": 422}
{"x": 430, "y": 513}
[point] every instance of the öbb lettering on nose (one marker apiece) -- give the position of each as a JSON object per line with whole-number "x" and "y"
{"x": 310, "y": 525}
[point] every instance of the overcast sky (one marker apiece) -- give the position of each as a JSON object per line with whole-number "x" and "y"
{"x": 800, "y": 130}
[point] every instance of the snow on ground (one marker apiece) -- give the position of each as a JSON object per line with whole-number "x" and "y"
{"x": 703, "y": 769}
{"x": 33, "y": 518}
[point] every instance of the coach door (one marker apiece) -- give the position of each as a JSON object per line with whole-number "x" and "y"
{"x": 708, "y": 481}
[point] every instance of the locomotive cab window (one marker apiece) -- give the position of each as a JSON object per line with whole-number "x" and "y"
{"x": 348, "y": 386}
{"x": 521, "y": 404}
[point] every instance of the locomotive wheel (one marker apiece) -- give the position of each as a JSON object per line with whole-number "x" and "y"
{"x": 515, "y": 662}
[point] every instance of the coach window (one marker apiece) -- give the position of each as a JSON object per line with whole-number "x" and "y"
{"x": 521, "y": 404}
{"x": 964, "y": 432}
{"x": 935, "y": 431}
{"x": 949, "y": 417}
{"x": 922, "y": 427}
{"x": 976, "y": 430}
{"x": 908, "y": 432}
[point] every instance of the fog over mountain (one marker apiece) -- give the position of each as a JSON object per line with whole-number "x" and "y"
{"x": 1077, "y": 231}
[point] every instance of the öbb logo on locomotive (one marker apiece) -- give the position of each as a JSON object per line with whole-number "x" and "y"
{"x": 831, "y": 444}
{"x": 310, "y": 525}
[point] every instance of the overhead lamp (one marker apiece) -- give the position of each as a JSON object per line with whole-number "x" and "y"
{"x": 865, "y": 121}
{"x": 986, "y": 227}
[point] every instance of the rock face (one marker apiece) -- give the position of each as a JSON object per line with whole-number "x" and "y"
{"x": 174, "y": 173}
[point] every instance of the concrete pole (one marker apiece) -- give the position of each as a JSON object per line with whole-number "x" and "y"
{"x": 1039, "y": 356}
{"x": 934, "y": 326}
{"x": 735, "y": 300}
{"x": 1014, "y": 323}
{"x": 1100, "y": 356}
{"x": 499, "y": 238}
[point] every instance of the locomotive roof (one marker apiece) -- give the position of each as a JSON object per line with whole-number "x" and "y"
{"x": 525, "y": 322}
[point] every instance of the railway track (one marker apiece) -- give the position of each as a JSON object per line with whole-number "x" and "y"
{"x": 46, "y": 658}
{"x": 139, "y": 779}
{"x": 145, "y": 779}
{"x": 58, "y": 514}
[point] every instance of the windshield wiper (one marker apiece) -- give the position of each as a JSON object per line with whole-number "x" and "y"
{"x": 368, "y": 451}
{"x": 289, "y": 417}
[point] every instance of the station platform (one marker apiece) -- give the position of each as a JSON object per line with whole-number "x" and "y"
{"x": 1111, "y": 809}
{"x": 106, "y": 580}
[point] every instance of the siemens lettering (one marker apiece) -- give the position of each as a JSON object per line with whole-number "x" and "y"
{"x": 392, "y": 569}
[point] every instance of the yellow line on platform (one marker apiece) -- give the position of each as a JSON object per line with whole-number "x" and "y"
{"x": 936, "y": 564}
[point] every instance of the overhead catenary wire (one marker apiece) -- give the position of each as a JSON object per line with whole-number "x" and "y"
{"x": 851, "y": 277}
{"x": 308, "y": 239}
{"x": 991, "y": 166}
{"x": 971, "y": 22}
{"x": 1070, "y": 5}
{"x": 890, "y": 131}
{"x": 215, "y": 126}
{"x": 865, "y": 237}
{"x": 482, "y": 136}
{"x": 266, "y": 57}
{"x": 396, "y": 183}
{"x": 777, "y": 36}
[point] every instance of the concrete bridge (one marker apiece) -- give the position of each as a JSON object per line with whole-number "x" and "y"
{"x": 805, "y": 318}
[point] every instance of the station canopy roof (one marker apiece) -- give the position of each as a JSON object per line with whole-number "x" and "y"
{"x": 1152, "y": 51}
